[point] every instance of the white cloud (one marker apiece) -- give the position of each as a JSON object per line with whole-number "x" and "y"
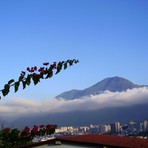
{"x": 22, "y": 107}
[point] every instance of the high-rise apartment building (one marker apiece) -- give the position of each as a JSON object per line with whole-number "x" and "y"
{"x": 145, "y": 125}
{"x": 115, "y": 127}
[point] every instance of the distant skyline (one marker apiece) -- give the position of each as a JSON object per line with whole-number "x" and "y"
{"x": 109, "y": 38}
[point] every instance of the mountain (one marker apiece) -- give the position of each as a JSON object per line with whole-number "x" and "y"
{"x": 136, "y": 111}
{"x": 80, "y": 118}
{"x": 112, "y": 84}
{"x": 123, "y": 107}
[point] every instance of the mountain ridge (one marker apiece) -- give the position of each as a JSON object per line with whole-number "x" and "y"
{"x": 112, "y": 84}
{"x": 80, "y": 118}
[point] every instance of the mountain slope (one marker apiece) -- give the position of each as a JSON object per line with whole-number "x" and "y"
{"x": 81, "y": 118}
{"x": 112, "y": 84}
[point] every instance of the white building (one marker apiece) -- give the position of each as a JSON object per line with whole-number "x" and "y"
{"x": 145, "y": 125}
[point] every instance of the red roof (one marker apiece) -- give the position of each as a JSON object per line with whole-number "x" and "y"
{"x": 107, "y": 140}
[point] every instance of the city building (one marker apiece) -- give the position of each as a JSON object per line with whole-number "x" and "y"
{"x": 115, "y": 127}
{"x": 145, "y": 125}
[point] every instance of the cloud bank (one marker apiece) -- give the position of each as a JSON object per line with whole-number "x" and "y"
{"x": 23, "y": 107}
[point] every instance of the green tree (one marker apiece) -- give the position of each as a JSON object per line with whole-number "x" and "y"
{"x": 13, "y": 137}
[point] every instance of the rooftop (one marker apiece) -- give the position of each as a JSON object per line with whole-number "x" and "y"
{"x": 98, "y": 140}
{"x": 107, "y": 140}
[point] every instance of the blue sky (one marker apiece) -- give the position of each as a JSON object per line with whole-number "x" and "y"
{"x": 108, "y": 37}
